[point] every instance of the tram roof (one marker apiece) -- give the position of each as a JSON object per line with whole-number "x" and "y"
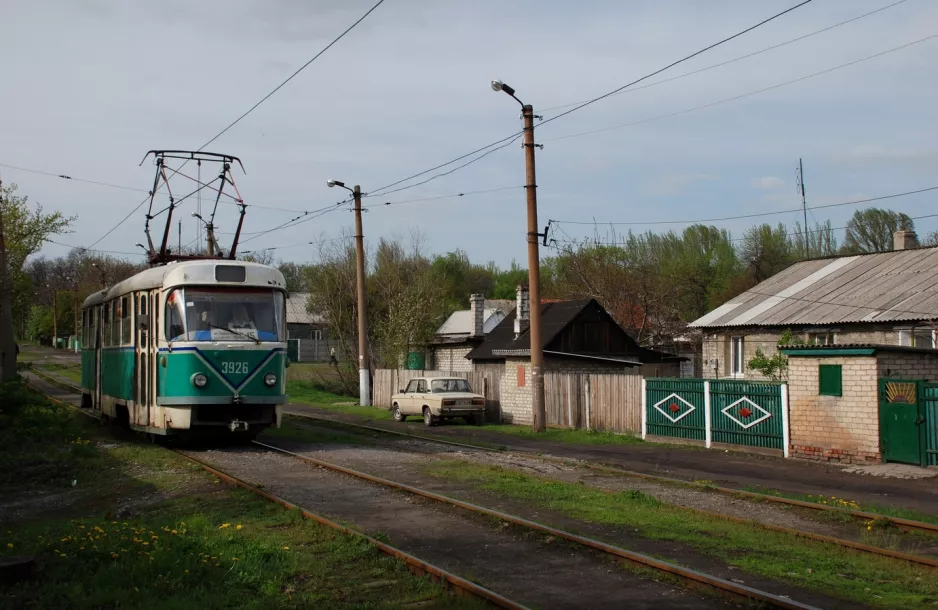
{"x": 201, "y": 272}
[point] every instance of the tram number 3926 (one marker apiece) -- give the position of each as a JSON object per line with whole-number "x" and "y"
{"x": 234, "y": 368}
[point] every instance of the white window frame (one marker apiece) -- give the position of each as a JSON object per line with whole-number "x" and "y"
{"x": 737, "y": 356}
{"x": 821, "y": 337}
{"x": 907, "y": 336}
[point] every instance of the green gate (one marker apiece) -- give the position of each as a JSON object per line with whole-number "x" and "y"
{"x": 747, "y": 413}
{"x": 675, "y": 407}
{"x": 902, "y": 421}
{"x": 930, "y": 394}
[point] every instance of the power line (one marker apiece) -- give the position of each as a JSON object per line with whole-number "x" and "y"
{"x": 742, "y": 216}
{"x": 72, "y": 178}
{"x": 671, "y": 65}
{"x": 252, "y": 108}
{"x": 90, "y": 250}
{"x": 741, "y": 57}
{"x": 508, "y": 140}
{"x": 741, "y": 96}
{"x": 297, "y": 221}
{"x": 306, "y": 243}
{"x": 455, "y": 195}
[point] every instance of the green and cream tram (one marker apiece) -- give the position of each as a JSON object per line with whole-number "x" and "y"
{"x": 188, "y": 346}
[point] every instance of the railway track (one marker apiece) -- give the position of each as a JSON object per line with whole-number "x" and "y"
{"x": 689, "y": 578}
{"x": 907, "y": 525}
{"x": 416, "y": 565}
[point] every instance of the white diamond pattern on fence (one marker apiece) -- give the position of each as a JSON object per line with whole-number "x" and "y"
{"x": 674, "y": 411}
{"x": 745, "y": 408}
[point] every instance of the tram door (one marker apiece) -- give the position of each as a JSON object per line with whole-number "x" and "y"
{"x": 155, "y": 321}
{"x": 97, "y": 312}
{"x": 142, "y": 347}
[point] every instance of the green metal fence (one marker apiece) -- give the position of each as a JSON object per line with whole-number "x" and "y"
{"x": 676, "y": 408}
{"x": 747, "y": 413}
{"x": 930, "y": 390}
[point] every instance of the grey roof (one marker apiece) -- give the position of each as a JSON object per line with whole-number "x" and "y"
{"x": 867, "y": 288}
{"x": 296, "y": 310}
{"x": 460, "y": 322}
{"x": 505, "y": 305}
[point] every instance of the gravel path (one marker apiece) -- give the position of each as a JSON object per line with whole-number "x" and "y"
{"x": 532, "y": 570}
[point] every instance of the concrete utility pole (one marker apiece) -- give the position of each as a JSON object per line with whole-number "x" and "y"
{"x": 364, "y": 368}
{"x": 534, "y": 263}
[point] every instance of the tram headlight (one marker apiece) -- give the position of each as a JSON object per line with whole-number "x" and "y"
{"x": 199, "y": 380}
{"x": 270, "y": 380}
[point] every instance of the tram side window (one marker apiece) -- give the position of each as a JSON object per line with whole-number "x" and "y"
{"x": 115, "y": 323}
{"x": 125, "y": 321}
{"x": 106, "y": 326}
{"x": 175, "y": 328}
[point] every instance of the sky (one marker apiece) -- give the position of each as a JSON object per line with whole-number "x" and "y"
{"x": 91, "y": 86}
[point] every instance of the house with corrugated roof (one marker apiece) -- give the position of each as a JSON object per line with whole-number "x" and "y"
{"x": 307, "y": 332}
{"x": 464, "y": 330}
{"x": 884, "y": 299}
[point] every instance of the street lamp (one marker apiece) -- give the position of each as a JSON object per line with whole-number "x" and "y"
{"x": 534, "y": 266}
{"x": 364, "y": 370}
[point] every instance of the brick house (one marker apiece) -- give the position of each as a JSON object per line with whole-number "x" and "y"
{"x": 842, "y": 408}
{"x": 881, "y": 299}
{"x": 577, "y": 337}
{"x": 463, "y": 331}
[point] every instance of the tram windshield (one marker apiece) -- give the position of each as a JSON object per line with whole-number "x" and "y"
{"x": 217, "y": 314}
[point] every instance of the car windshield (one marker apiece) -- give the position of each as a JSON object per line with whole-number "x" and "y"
{"x": 213, "y": 314}
{"x": 449, "y": 385}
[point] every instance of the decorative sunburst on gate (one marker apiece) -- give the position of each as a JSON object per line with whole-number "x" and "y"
{"x": 742, "y": 412}
{"x": 901, "y": 392}
{"x": 674, "y": 408}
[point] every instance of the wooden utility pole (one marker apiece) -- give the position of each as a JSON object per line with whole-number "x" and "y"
{"x": 804, "y": 204}
{"x": 364, "y": 369}
{"x": 534, "y": 275}
{"x": 55, "y": 319}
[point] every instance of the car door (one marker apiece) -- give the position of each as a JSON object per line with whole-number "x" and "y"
{"x": 407, "y": 402}
{"x": 420, "y": 397}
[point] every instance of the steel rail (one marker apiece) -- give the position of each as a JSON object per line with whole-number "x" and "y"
{"x": 415, "y": 564}
{"x": 858, "y": 546}
{"x": 908, "y": 525}
{"x": 691, "y": 577}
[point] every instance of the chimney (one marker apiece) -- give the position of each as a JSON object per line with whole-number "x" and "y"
{"x": 477, "y": 313}
{"x": 522, "y": 310}
{"x": 904, "y": 240}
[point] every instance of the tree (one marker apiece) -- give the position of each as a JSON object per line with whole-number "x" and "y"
{"x": 294, "y": 276}
{"x": 22, "y": 232}
{"x": 818, "y": 242}
{"x": 871, "y": 230}
{"x": 766, "y": 250}
{"x": 776, "y": 366}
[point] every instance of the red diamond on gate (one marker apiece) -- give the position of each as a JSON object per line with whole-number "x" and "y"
{"x": 745, "y": 412}
{"x": 674, "y": 408}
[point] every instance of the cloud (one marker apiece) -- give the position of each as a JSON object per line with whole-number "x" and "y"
{"x": 674, "y": 184}
{"x": 768, "y": 182}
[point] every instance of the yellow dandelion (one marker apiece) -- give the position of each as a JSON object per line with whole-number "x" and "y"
{"x": 174, "y": 532}
{"x": 9, "y": 545}
{"x": 234, "y": 559}
{"x": 62, "y": 555}
{"x": 187, "y": 571}
{"x": 224, "y": 526}
{"x": 146, "y": 544}
{"x": 237, "y": 527}
{"x": 286, "y": 548}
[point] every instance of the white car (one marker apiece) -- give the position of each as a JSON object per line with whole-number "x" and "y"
{"x": 436, "y": 398}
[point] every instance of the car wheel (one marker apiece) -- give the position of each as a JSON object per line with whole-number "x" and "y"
{"x": 428, "y": 419}
{"x": 397, "y": 415}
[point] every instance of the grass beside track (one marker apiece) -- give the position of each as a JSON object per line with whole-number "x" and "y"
{"x": 887, "y": 511}
{"x": 857, "y": 577}
{"x": 117, "y": 523}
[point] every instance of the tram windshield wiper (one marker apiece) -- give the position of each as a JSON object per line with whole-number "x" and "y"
{"x": 237, "y": 332}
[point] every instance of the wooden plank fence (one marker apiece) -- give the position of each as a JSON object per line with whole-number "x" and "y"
{"x": 388, "y": 382}
{"x": 594, "y": 402}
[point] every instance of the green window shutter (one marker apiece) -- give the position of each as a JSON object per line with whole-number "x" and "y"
{"x": 830, "y": 380}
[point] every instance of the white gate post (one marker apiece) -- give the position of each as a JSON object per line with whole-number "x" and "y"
{"x": 786, "y": 433}
{"x": 644, "y": 408}
{"x": 708, "y": 424}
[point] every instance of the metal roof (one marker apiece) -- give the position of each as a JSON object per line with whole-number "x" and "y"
{"x": 867, "y": 288}
{"x": 296, "y": 310}
{"x": 460, "y": 322}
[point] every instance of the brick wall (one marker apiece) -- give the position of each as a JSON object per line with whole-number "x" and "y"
{"x": 452, "y": 359}
{"x": 908, "y": 365}
{"x": 835, "y": 428}
{"x": 516, "y": 401}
